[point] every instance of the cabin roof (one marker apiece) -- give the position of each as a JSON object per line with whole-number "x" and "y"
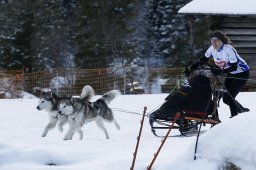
{"x": 220, "y": 7}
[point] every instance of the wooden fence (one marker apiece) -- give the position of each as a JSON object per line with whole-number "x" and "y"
{"x": 70, "y": 81}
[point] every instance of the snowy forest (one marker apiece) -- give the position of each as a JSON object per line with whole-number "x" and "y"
{"x": 44, "y": 34}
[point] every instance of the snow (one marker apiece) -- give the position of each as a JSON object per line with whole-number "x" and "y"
{"x": 218, "y": 7}
{"x": 23, "y": 148}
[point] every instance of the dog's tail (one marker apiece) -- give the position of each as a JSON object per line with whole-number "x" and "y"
{"x": 109, "y": 96}
{"x": 87, "y": 92}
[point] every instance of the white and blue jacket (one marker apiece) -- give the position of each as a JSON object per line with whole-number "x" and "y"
{"x": 226, "y": 55}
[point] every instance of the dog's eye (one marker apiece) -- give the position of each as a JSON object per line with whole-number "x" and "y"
{"x": 42, "y": 101}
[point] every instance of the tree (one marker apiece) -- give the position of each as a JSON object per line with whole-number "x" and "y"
{"x": 14, "y": 40}
{"x": 45, "y": 34}
{"x": 175, "y": 39}
{"x": 52, "y": 41}
{"x": 102, "y": 32}
{"x": 37, "y": 34}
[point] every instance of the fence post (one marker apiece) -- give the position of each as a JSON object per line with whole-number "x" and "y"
{"x": 124, "y": 79}
{"x": 22, "y": 79}
{"x": 57, "y": 81}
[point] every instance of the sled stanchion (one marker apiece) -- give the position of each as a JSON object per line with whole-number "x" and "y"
{"x": 197, "y": 138}
{"x": 138, "y": 139}
{"x": 163, "y": 141}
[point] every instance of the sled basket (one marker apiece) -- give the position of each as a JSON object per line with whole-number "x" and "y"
{"x": 187, "y": 121}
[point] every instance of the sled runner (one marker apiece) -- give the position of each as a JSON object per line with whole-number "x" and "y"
{"x": 196, "y": 102}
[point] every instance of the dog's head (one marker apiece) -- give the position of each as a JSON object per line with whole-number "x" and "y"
{"x": 48, "y": 101}
{"x": 66, "y": 107}
{"x": 44, "y": 103}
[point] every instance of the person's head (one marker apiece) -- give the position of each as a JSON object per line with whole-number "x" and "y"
{"x": 218, "y": 38}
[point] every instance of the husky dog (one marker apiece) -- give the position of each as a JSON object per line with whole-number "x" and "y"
{"x": 50, "y": 103}
{"x": 81, "y": 111}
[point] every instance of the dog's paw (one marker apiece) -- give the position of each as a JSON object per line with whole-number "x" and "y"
{"x": 65, "y": 138}
{"x": 81, "y": 134}
{"x": 118, "y": 127}
{"x": 60, "y": 128}
{"x": 43, "y": 135}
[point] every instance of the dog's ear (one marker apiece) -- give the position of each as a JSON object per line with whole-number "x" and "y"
{"x": 36, "y": 90}
{"x": 54, "y": 95}
{"x": 72, "y": 100}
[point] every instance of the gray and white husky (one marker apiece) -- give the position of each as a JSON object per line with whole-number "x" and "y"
{"x": 81, "y": 111}
{"x": 50, "y": 103}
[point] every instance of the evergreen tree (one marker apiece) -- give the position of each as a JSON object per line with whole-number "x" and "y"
{"x": 97, "y": 33}
{"x": 138, "y": 37}
{"x": 14, "y": 40}
{"x": 36, "y": 34}
{"x": 172, "y": 38}
{"x": 102, "y": 31}
{"x": 52, "y": 41}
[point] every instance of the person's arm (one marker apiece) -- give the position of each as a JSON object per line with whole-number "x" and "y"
{"x": 197, "y": 64}
{"x": 233, "y": 67}
{"x": 232, "y": 58}
{"x": 204, "y": 60}
{"x": 218, "y": 71}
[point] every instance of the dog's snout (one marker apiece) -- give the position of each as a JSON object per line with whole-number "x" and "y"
{"x": 60, "y": 112}
{"x": 38, "y": 108}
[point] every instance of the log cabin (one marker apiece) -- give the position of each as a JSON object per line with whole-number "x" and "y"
{"x": 236, "y": 18}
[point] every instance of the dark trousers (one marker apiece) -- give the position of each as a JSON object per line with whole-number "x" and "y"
{"x": 234, "y": 83}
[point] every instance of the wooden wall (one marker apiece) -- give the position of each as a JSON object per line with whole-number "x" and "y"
{"x": 242, "y": 32}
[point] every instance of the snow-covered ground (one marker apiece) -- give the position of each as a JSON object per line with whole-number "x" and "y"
{"x": 23, "y": 148}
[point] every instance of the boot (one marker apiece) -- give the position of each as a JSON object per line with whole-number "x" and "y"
{"x": 241, "y": 109}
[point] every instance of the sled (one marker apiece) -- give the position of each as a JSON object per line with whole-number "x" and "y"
{"x": 196, "y": 103}
{"x": 187, "y": 125}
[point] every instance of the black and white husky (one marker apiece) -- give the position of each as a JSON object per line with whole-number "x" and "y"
{"x": 50, "y": 103}
{"x": 81, "y": 111}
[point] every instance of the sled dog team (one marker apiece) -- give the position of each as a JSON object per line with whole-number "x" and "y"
{"x": 77, "y": 111}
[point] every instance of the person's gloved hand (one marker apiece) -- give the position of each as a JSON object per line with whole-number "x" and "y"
{"x": 186, "y": 72}
{"x": 216, "y": 71}
{"x": 195, "y": 65}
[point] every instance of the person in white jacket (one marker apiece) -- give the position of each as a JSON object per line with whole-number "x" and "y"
{"x": 228, "y": 61}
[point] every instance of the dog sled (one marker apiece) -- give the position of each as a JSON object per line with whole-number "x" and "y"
{"x": 195, "y": 102}
{"x": 187, "y": 108}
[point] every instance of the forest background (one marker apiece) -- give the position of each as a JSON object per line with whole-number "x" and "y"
{"x": 42, "y": 34}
